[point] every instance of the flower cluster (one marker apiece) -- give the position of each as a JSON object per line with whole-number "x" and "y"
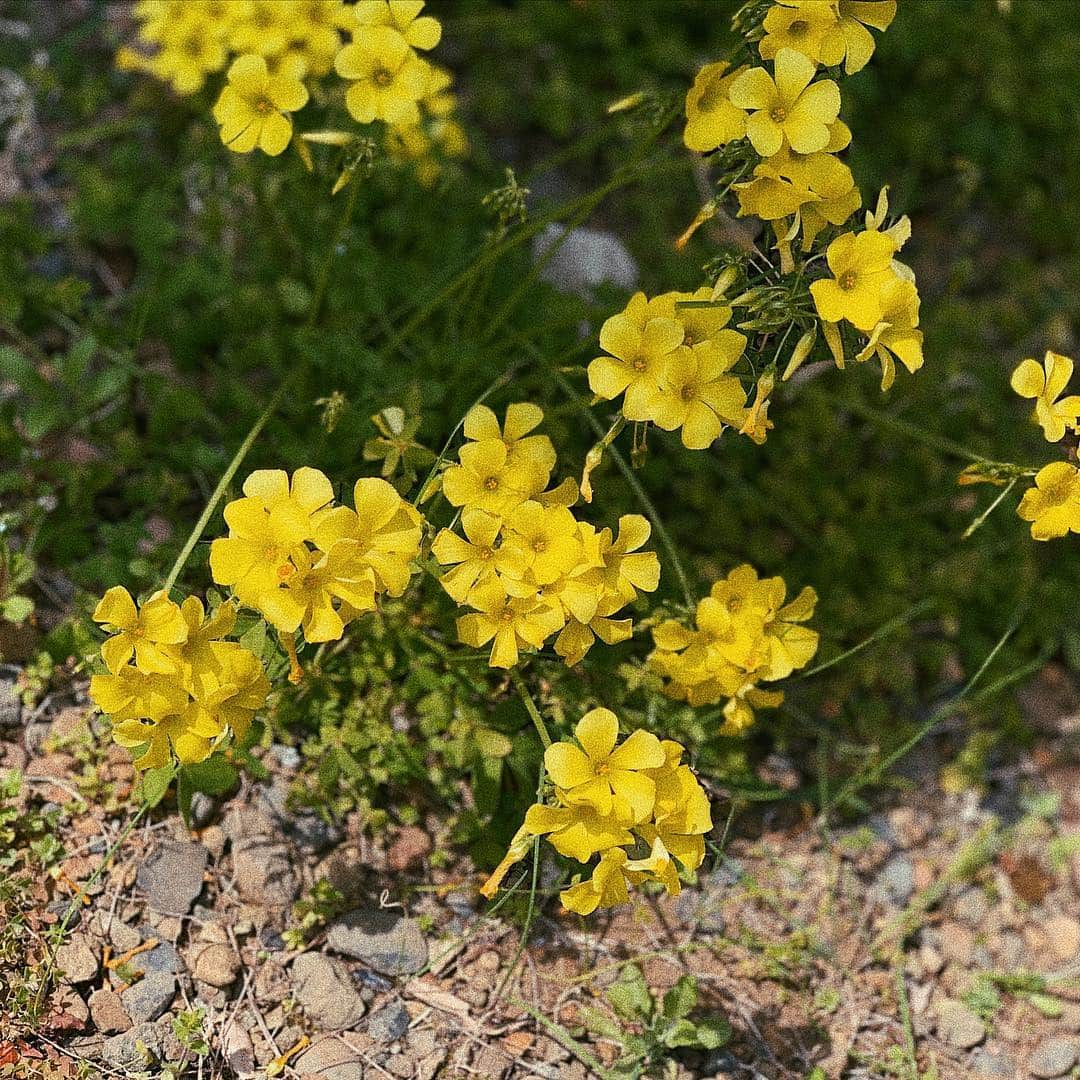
{"x": 302, "y": 562}
{"x": 775, "y": 127}
{"x": 633, "y": 804}
{"x": 672, "y": 365}
{"x": 1053, "y": 504}
{"x": 527, "y": 568}
{"x": 174, "y": 683}
{"x": 275, "y": 45}
{"x": 743, "y": 635}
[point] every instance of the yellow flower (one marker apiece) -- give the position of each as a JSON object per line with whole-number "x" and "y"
{"x": 607, "y": 778}
{"x": 191, "y": 49}
{"x": 263, "y": 27}
{"x": 850, "y": 38}
{"x": 757, "y": 425}
{"x": 801, "y": 26}
{"x": 789, "y": 107}
{"x": 131, "y": 695}
{"x": 420, "y": 31}
{"x": 606, "y": 888}
{"x": 388, "y": 78}
{"x": 578, "y": 832}
{"x": 472, "y": 557}
{"x": 790, "y": 646}
{"x": 230, "y": 690}
{"x": 530, "y": 453}
{"x": 656, "y": 866}
{"x": 682, "y": 815}
{"x": 145, "y": 633}
{"x": 190, "y": 734}
{"x": 896, "y": 334}
{"x": 199, "y": 649}
{"x": 699, "y": 323}
{"x": 484, "y": 479}
{"x": 1053, "y": 504}
{"x": 341, "y": 574}
{"x": 625, "y": 568}
{"x": 637, "y": 364}
{"x": 861, "y": 264}
{"x": 543, "y": 542}
{"x": 1046, "y": 384}
{"x": 266, "y": 528}
{"x": 697, "y": 394}
{"x": 252, "y": 106}
{"x": 509, "y": 623}
{"x": 384, "y": 528}
{"x": 711, "y": 119}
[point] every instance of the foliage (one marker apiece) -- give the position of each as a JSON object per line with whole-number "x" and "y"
{"x": 648, "y": 1028}
{"x": 146, "y": 328}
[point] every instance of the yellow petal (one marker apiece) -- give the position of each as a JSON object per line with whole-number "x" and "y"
{"x": 597, "y": 731}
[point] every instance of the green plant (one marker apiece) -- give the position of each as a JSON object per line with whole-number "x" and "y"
{"x": 648, "y": 1029}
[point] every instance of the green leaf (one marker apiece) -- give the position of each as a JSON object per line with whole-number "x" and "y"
{"x": 1047, "y": 1004}
{"x": 599, "y": 1023}
{"x": 42, "y": 416}
{"x": 630, "y": 997}
{"x": 17, "y": 609}
{"x": 78, "y": 359}
{"x": 155, "y": 784}
{"x": 492, "y": 744}
{"x": 681, "y": 1033}
{"x": 713, "y": 1032}
{"x": 214, "y": 776}
{"x": 254, "y": 639}
{"x": 681, "y": 998}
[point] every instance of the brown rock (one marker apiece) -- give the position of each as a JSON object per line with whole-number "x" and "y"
{"x": 107, "y": 1012}
{"x": 957, "y": 943}
{"x": 410, "y": 847}
{"x": 1064, "y": 934}
{"x": 216, "y": 965}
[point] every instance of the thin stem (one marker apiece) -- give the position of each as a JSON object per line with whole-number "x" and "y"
{"x": 990, "y": 509}
{"x": 531, "y": 709}
{"x": 264, "y": 417}
{"x": 223, "y": 486}
{"x": 882, "y": 631}
{"x": 942, "y": 713}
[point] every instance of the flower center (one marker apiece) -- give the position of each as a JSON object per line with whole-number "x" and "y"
{"x": 778, "y": 113}
{"x": 486, "y": 553}
{"x": 507, "y": 616}
{"x": 1059, "y": 491}
{"x": 491, "y": 483}
{"x": 734, "y": 605}
{"x": 540, "y": 545}
{"x": 601, "y": 768}
{"x": 639, "y": 363}
{"x": 285, "y": 571}
{"x": 382, "y": 76}
{"x": 263, "y": 106}
{"x": 689, "y": 392}
{"x": 799, "y": 28}
{"x": 269, "y": 553}
{"x": 847, "y": 280}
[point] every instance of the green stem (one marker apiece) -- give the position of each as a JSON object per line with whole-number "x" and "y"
{"x": 264, "y": 417}
{"x": 531, "y": 709}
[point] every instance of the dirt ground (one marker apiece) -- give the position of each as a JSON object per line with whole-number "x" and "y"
{"x": 939, "y": 937}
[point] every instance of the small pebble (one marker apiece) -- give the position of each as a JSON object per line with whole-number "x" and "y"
{"x": 1053, "y": 1058}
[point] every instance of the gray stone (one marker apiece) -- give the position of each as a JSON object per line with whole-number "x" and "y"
{"x": 10, "y": 703}
{"x": 122, "y": 937}
{"x": 897, "y": 879}
{"x": 930, "y": 959}
{"x": 150, "y": 996}
{"x": 162, "y": 959}
{"x": 263, "y": 873}
{"x": 958, "y": 1026}
{"x": 1053, "y": 1057}
{"x": 386, "y": 941}
{"x": 203, "y": 809}
{"x": 173, "y": 876}
{"x": 330, "y": 1059}
{"x": 323, "y": 988}
{"x": 971, "y": 907}
{"x": 584, "y": 259}
{"x": 134, "y": 1050}
{"x": 702, "y": 909}
{"x": 993, "y": 1063}
{"x": 288, "y": 757}
{"x": 389, "y": 1023}
{"x": 77, "y": 961}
